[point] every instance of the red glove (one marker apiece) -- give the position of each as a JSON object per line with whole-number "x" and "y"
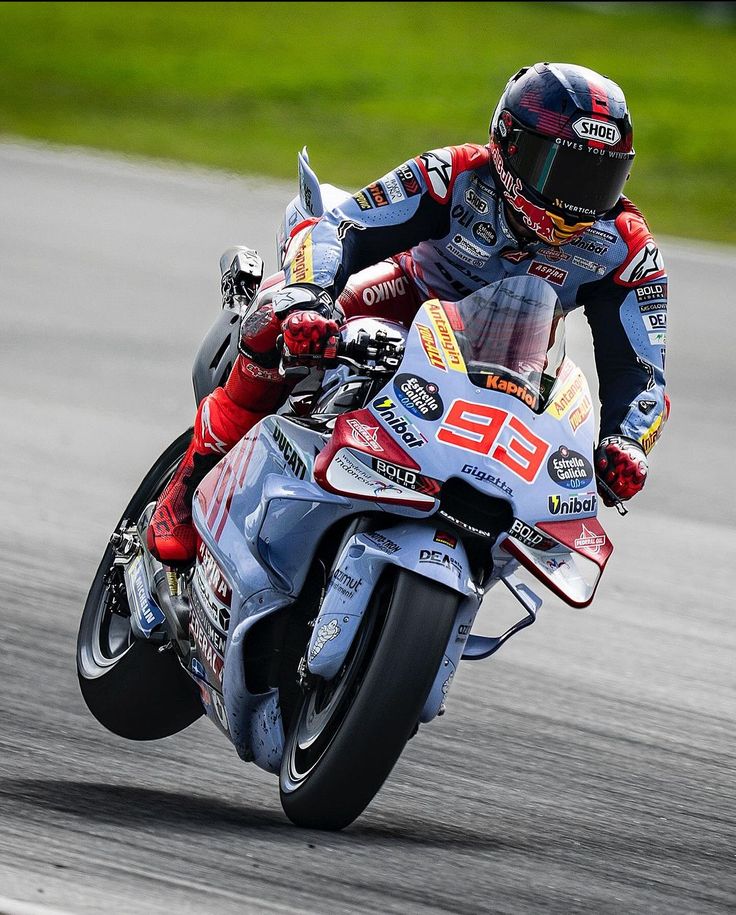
{"x": 622, "y": 465}
{"x": 308, "y": 334}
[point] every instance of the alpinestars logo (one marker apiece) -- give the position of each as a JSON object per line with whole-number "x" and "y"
{"x": 648, "y": 263}
{"x": 211, "y": 441}
{"x": 438, "y": 165}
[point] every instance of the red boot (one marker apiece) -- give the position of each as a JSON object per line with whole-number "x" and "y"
{"x": 220, "y": 423}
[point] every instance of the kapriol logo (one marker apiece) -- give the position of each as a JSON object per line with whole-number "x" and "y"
{"x": 598, "y": 131}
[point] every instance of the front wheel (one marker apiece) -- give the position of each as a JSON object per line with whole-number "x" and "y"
{"x": 347, "y": 734}
{"x": 132, "y": 688}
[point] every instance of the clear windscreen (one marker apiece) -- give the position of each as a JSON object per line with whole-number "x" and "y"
{"x": 512, "y": 337}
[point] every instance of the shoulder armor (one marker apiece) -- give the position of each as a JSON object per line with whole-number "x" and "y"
{"x": 643, "y": 261}
{"x": 441, "y": 167}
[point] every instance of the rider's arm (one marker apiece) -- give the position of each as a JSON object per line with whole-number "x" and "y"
{"x": 627, "y": 313}
{"x": 408, "y": 205}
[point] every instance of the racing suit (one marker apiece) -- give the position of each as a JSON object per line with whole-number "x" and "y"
{"x": 435, "y": 227}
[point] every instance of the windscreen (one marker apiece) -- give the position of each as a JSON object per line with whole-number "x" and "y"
{"x": 512, "y": 337}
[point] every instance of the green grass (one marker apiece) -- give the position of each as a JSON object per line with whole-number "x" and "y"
{"x": 242, "y": 86}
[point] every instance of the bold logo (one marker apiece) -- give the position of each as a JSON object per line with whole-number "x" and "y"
{"x": 599, "y": 131}
{"x": 569, "y": 469}
{"x": 365, "y": 435}
{"x": 386, "y": 409}
{"x": 385, "y": 291}
{"x": 485, "y": 232}
{"x": 429, "y": 344}
{"x": 573, "y": 505}
{"x": 507, "y": 386}
{"x": 446, "y": 337}
{"x": 408, "y": 180}
{"x": 406, "y": 478}
{"x": 476, "y": 201}
{"x": 650, "y": 292}
{"x": 546, "y": 272}
{"x": 291, "y": 455}
{"x": 419, "y": 397}
{"x": 588, "y": 540}
{"x": 580, "y": 413}
{"x": 529, "y": 535}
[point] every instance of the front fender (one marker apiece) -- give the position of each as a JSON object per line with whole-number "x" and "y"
{"x": 413, "y": 546}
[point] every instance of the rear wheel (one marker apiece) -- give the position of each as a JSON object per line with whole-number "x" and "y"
{"x": 130, "y": 687}
{"x": 347, "y": 734}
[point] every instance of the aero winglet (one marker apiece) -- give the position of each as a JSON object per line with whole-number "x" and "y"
{"x": 310, "y": 194}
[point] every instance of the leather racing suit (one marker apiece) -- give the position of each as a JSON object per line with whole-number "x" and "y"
{"x": 435, "y": 227}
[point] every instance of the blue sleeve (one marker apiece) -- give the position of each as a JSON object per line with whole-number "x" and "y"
{"x": 386, "y": 217}
{"x": 629, "y": 327}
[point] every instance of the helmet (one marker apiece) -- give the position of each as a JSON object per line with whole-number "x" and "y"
{"x": 562, "y": 147}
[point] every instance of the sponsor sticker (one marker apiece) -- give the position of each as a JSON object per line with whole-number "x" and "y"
{"x": 445, "y": 336}
{"x": 485, "y": 233}
{"x": 486, "y": 477}
{"x": 586, "y": 245}
{"x": 366, "y": 436}
{"x": 598, "y": 131}
{"x": 325, "y": 634}
{"x": 658, "y": 339}
{"x": 529, "y": 535}
{"x": 567, "y": 397}
{"x": 377, "y": 195}
{"x": 291, "y": 455}
{"x": 590, "y": 541}
{"x": 650, "y": 292}
{"x": 473, "y": 199}
{"x": 445, "y": 539}
{"x": 580, "y": 413}
{"x": 393, "y": 189}
{"x": 419, "y": 397}
{"x": 383, "y": 543}
{"x": 470, "y": 247}
{"x": 429, "y": 344}
{"x": 573, "y": 505}
{"x": 408, "y": 180}
{"x": 552, "y": 274}
{"x": 569, "y": 468}
{"x": 409, "y": 434}
{"x": 655, "y": 320}
{"x": 301, "y": 269}
{"x": 441, "y": 559}
{"x": 362, "y": 201}
{"x": 384, "y": 291}
{"x": 508, "y": 386}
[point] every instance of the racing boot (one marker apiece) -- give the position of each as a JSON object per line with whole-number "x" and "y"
{"x": 222, "y": 420}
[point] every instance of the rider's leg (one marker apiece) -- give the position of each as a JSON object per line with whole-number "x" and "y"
{"x": 253, "y": 389}
{"x": 384, "y": 290}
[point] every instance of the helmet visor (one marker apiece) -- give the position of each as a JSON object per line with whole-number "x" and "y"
{"x": 576, "y": 181}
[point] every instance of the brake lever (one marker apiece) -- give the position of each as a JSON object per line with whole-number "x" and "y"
{"x": 610, "y": 494}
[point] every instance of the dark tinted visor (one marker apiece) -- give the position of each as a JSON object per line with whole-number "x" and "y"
{"x": 574, "y": 180}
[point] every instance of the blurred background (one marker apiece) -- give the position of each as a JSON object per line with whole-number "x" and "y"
{"x": 242, "y": 86}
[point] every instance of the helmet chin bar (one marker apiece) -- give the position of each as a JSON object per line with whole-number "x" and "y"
{"x": 546, "y": 225}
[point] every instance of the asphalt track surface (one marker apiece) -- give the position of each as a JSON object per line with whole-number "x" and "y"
{"x": 589, "y": 767}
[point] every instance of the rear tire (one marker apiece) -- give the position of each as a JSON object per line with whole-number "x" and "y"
{"x": 130, "y": 687}
{"x": 346, "y": 735}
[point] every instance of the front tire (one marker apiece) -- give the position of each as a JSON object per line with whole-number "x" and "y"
{"x": 130, "y": 687}
{"x": 346, "y": 735}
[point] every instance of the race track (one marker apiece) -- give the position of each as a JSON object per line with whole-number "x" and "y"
{"x": 589, "y": 767}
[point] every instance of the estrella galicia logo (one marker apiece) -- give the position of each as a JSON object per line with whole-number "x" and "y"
{"x": 485, "y": 233}
{"x": 419, "y": 397}
{"x": 569, "y": 469}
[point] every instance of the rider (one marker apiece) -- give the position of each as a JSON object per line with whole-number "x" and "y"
{"x": 544, "y": 197}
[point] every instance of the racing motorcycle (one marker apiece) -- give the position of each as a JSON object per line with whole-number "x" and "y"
{"x": 346, "y": 542}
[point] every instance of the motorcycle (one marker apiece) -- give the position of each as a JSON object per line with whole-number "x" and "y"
{"x": 347, "y": 541}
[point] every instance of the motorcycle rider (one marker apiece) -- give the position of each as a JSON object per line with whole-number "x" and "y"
{"x": 543, "y": 197}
